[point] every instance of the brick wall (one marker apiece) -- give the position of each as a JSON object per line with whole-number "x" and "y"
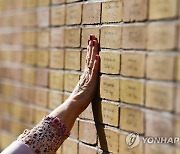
{"x": 42, "y": 52}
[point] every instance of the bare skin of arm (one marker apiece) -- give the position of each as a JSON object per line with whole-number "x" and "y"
{"x": 85, "y": 89}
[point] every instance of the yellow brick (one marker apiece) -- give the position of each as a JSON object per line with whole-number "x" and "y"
{"x": 161, "y": 36}
{"x": 56, "y": 79}
{"x": 110, "y": 62}
{"x": 158, "y": 148}
{"x": 159, "y": 9}
{"x": 135, "y": 10}
{"x": 109, "y": 140}
{"x": 91, "y": 13}
{"x": 178, "y": 68}
{"x": 5, "y": 140}
{"x": 55, "y": 99}
{"x": 123, "y": 147}
{"x": 43, "y": 2}
{"x": 57, "y": 16}
{"x": 72, "y": 59}
{"x": 29, "y": 57}
{"x": 177, "y": 106}
{"x": 132, "y": 120}
{"x": 42, "y": 58}
{"x": 109, "y": 88}
{"x": 41, "y": 97}
{"x": 30, "y": 3}
{"x": 112, "y": 11}
{"x": 43, "y": 39}
{"x": 5, "y": 107}
{"x": 70, "y": 81}
{"x": 29, "y": 75}
{"x": 160, "y": 96}
{"x": 39, "y": 114}
{"x": 29, "y": 38}
{"x": 108, "y": 114}
{"x": 73, "y": 14}
{"x": 132, "y": 91}
{"x": 157, "y": 65}
{"x": 111, "y": 37}
{"x": 57, "y": 37}
{"x": 70, "y": 147}
{"x": 86, "y": 33}
{"x": 134, "y": 37}
{"x": 58, "y": 1}
{"x": 133, "y": 64}
{"x": 56, "y": 58}
{"x": 72, "y": 38}
{"x": 43, "y": 16}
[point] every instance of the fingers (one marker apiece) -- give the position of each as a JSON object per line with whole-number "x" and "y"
{"x": 94, "y": 53}
{"x": 95, "y": 69}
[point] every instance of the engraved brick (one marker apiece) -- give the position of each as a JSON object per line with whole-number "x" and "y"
{"x": 91, "y": 13}
{"x": 108, "y": 114}
{"x": 132, "y": 91}
{"x": 109, "y": 88}
{"x": 160, "y": 96}
{"x": 178, "y": 68}
{"x": 29, "y": 38}
{"x": 56, "y": 79}
{"x": 70, "y": 146}
{"x": 110, "y": 62}
{"x": 29, "y": 57}
{"x": 112, "y": 11}
{"x": 87, "y": 132}
{"x": 57, "y": 37}
{"x": 43, "y": 2}
{"x": 43, "y": 38}
{"x": 177, "y": 106}
{"x": 73, "y": 14}
{"x": 70, "y": 81}
{"x": 132, "y": 120}
{"x": 108, "y": 140}
{"x": 135, "y": 10}
{"x": 72, "y": 37}
{"x": 159, "y": 125}
{"x": 161, "y": 36}
{"x": 87, "y": 113}
{"x": 58, "y": 16}
{"x": 56, "y": 58}
{"x": 55, "y": 99}
{"x": 43, "y": 17}
{"x": 58, "y": 1}
{"x": 74, "y": 130}
{"x": 39, "y": 114}
{"x": 72, "y": 59}
{"x": 177, "y": 128}
{"x": 123, "y": 147}
{"x": 42, "y": 58}
{"x": 42, "y": 77}
{"x": 86, "y": 33}
{"x": 111, "y": 37}
{"x": 87, "y": 149}
{"x": 158, "y": 148}
{"x": 41, "y": 97}
{"x": 133, "y": 64}
{"x": 134, "y": 37}
{"x": 157, "y": 65}
{"x": 29, "y": 75}
{"x": 159, "y": 9}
